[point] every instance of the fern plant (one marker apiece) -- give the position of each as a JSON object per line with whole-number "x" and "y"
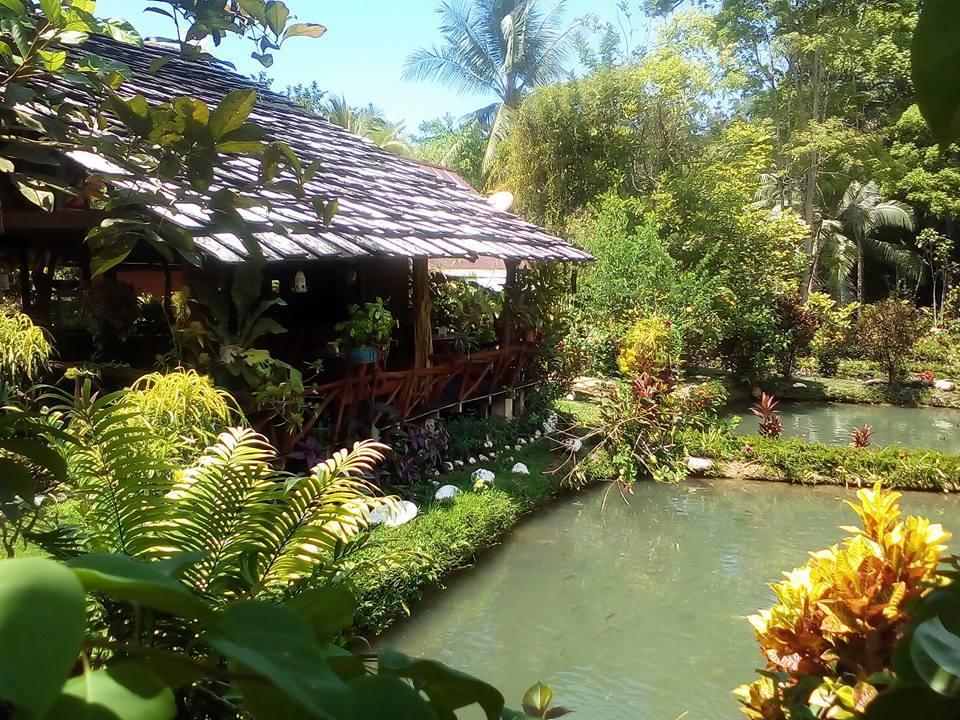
{"x": 256, "y": 530}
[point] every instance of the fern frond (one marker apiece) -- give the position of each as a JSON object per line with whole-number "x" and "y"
{"x": 223, "y": 507}
{"x": 118, "y": 471}
{"x": 319, "y": 515}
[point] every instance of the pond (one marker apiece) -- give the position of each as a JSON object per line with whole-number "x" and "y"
{"x": 635, "y": 612}
{"x": 925, "y": 428}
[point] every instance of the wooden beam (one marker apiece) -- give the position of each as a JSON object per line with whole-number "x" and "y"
{"x": 12, "y": 221}
{"x": 422, "y": 315}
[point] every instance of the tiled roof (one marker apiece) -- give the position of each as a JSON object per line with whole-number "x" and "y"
{"x": 388, "y": 206}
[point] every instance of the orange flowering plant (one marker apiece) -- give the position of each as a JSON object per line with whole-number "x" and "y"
{"x": 829, "y": 638}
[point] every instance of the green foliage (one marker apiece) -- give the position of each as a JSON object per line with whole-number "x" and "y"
{"x": 468, "y": 436}
{"x": 368, "y": 325}
{"x": 459, "y": 146}
{"x": 796, "y": 327}
{"x": 650, "y": 346}
{"x": 254, "y": 658}
{"x": 184, "y": 405}
{"x": 25, "y": 349}
{"x": 887, "y": 332}
{"x": 832, "y": 338}
{"x": 934, "y": 68}
{"x": 182, "y": 142}
{"x": 466, "y": 309}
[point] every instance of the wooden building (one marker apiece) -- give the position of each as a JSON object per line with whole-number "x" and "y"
{"x": 394, "y": 216}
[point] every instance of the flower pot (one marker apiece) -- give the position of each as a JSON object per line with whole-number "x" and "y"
{"x": 364, "y": 355}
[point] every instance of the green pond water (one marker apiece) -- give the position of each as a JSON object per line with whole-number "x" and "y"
{"x": 926, "y": 428}
{"x": 634, "y": 611}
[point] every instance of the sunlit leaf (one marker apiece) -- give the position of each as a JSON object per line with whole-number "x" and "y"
{"x": 276, "y": 13}
{"x": 936, "y": 57}
{"x": 312, "y": 30}
{"x": 42, "y": 619}
{"x": 127, "y": 691}
{"x": 232, "y": 112}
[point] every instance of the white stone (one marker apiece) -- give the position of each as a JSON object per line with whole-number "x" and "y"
{"x": 518, "y": 448}
{"x": 435, "y": 483}
{"x": 483, "y": 476}
{"x": 471, "y": 461}
{"x": 483, "y": 458}
{"x": 447, "y": 492}
{"x": 448, "y": 467}
{"x": 538, "y": 435}
{"x": 800, "y": 386}
{"x": 394, "y": 514}
{"x": 551, "y": 423}
{"x": 945, "y": 385}
{"x": 522, "y": 441}
{"x": 520, "y": 469}
{"x": 435, "y": 473}
{"x": 488, "y": 444}
{"x": 699, "y": 465}
{"x": 574, "y": 445}
{"x": 571, "y": 397}
{"x": 458, "y": 463}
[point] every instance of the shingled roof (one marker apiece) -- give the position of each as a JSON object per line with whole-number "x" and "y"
{"x": 388, "y": 206}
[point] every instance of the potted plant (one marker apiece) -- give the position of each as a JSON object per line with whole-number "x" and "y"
{"x": 367, "y": 331}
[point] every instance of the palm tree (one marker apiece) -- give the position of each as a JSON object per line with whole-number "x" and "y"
{"x": 368, "y": 122}
{"x": 848, "y": 234}
{"x": 507, "y": 47}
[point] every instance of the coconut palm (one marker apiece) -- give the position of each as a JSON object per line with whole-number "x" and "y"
{"x": 848, "y": 234}
{"x": 368, "y": 122}
{"x": 504, "y": 47}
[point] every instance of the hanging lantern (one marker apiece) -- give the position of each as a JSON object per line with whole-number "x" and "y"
{"x": 300, "y": 283}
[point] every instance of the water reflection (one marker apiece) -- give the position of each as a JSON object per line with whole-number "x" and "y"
{"x": 635, "y": 611}
{"x": 925, "y": 428}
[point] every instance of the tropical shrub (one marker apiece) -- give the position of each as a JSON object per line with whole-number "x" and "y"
{"x": 466, "y": 309}
{"x": 832, "y": 338}
{"x": 746, "y": 348}
{"x": 417, "y": 449}
{"x": 24, "y": 349}
{"x": 650, "y": 345}
{"x": 887, "y": 331}
{"x": 771, "y": 424}
{"x": 832, "y": 632}
{"x": 795, "y": 331}
{"x": 184, "y": 406}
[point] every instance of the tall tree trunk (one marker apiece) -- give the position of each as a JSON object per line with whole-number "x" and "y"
{"x": 861, "y": 271}
{"x": 813, "y": 172}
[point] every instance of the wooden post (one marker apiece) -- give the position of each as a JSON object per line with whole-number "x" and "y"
{"x": 508, "y": 325}
{"x": 422, "y": 315}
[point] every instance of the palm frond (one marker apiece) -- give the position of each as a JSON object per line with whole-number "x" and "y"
{"x": 907, "y": 261}
{"x": 502, "y": 123}
{"x": 318, "y": 516}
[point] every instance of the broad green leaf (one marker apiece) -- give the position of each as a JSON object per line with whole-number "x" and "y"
{"x": 41, "y": 198}
{"x": 276, "y": 13}
{"x": 6, "y": 165}
{"x": 911, "y": 702}
{"x": 52, "y": 10}
{"x": 121, "y": 577}
{"x": 39, "y": 454}
{"x": 275, "y": 642}
{"x": 537, "y": 699}
{"x": 312, "y": 30}
{"x": 372, "y": 695}
{"x": 254, "y": 8}
{"x": 157, "y": 63}
{"x": 14, "y": 6}
{"x": 935, "y": 652}
{"x": 122, "y": 31}
{"x": 232, "y": 112}
{"x": 126, "y": 691}
{"x": 16, "y": 480}
{"x": 53, "y": 61}
{"x": 936, "y": 58}
{"x": 329, "y": 611}
{"x": 265, "y": 59}
{"x": 42, "y": 617}
{"x": 241, "y": 147}
{"x": 448, "y": 689}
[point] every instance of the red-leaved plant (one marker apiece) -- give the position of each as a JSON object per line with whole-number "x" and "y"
{"x": 861, "y": 437}
{"x": 771, "y": 426}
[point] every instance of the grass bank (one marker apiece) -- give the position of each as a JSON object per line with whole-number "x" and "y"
{"x": 797, "y": 461}
{"x": 448, "y": 536}
{"x": 853, "y": 391}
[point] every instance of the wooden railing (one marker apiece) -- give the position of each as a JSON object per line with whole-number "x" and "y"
{"x": 380, "y": 399}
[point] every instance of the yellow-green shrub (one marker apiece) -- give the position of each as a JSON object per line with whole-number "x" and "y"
{"x": 837, "y": 618}
{"x": 649, "y": 345}
{"x": 24, "y": 348}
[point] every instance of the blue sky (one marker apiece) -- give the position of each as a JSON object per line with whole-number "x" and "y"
{"x": 361, "y": 55}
